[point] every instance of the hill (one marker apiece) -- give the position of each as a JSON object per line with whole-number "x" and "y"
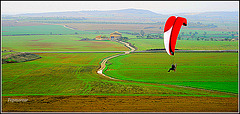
{"x": 213, "y": 16}
{"x": 110, "y": 13}
{"x": 134, "y": 15}
{"x": 221, "y": 20}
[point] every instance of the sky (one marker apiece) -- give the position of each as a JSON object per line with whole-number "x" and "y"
{"x": 162, "y": 7}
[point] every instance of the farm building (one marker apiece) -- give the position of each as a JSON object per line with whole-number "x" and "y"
{"x": 98, "y": 37}
{"x": 102, "y": 37}
{"x": 115, "y": 35}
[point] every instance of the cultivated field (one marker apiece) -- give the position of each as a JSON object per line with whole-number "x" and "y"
{"x": 75, "y": 74}
{"x": 211, "y": 71}
{"x": 34, "y": 43}
{"x": 13, "y": 22}
{"x": 148, "y": 28}
{"x": 68, "y": 82}
{"x": 146, "y": 44}
{"x": 101, "y": 103}
{"x": 39, "y": 29}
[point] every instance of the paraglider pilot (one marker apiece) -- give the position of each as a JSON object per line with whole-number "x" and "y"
{"x": 173, "y": 68}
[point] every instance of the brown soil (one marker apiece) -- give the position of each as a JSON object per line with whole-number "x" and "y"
{"x": 37, "y": 40}
{"x": 97, "y": 103}
{"x": 130, "y": 27}
{"x": 71, "y": 48}
{"x": 42, "y": 44}
{"x": 42, "y": 49}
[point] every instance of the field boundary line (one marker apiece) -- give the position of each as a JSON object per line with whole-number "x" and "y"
{"x": 133, "y": 51}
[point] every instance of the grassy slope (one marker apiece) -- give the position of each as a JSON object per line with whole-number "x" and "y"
{"x": 214, "y": 71}
{"x": 75, "y": 74}
{"x": 144, "y": 44}
{"x": 35, "y": 43}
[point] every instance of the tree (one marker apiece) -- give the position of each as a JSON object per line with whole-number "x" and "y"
{"x": 192, "y": 36}
{"x": 142, "y": 32}
{"x": 182, "y": 33}
{"x": 190, "y": 33}
{"x": 196, "y": 33}
{"x": 104, "y": 36}
{"x": 204, "y": 34}
{"x": 149, "y": 36}
{"x": 50, "y": 33}
{"x": 124, "y": 39}
{"x": 179, "y": 38}
{"x": 232, "y": 35}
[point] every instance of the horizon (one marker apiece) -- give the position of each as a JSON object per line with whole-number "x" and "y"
{"x": 159, "y": 7}
{"x": 116, "y": 10}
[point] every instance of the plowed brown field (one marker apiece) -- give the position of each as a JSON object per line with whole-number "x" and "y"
{"x": 99, "y": 103}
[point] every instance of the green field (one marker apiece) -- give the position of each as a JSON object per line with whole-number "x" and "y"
{"x": 209, "y": 34}
{"x": 75, "y": 74}
{"x": 40, "y": 29}
{"x": 212, "y": 71}
{"x": 34, "y": 43}
{"x": 186, "y": 31}
{"x": 56, "y": 29}
{"x": 146, "y": 44}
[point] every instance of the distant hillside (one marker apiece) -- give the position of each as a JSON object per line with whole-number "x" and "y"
{"x": 219, "y": 16}
{"x": 110, "y": 13}
{"x": 129, "y": 16}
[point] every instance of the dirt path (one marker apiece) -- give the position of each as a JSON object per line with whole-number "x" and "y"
{"x": 68, "y": 27}
{"x": 103, "y": 64}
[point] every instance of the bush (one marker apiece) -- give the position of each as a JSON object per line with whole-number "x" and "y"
{"x": 19, "y": 57}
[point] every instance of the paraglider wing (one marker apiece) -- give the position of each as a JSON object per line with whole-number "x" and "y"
{"x": 171, "y": 31}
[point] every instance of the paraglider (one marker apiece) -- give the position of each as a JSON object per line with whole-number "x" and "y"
{"x": 171, "y": 31}
{"x": 173, "y": 68}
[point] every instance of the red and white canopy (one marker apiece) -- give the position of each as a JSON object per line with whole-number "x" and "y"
{"x": 171, "y": 31}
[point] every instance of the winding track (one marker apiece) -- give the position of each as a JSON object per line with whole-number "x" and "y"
{"x": 103, "y": 64}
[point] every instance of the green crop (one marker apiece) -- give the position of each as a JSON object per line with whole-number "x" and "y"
{"x": 34, "y": 43}
{"x": 75, "y": 74}
{"x": 213, "y": 71}
{"x": 147, "y": 44}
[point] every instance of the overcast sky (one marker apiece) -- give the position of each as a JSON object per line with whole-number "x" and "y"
{"x": 162, "y": 7}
